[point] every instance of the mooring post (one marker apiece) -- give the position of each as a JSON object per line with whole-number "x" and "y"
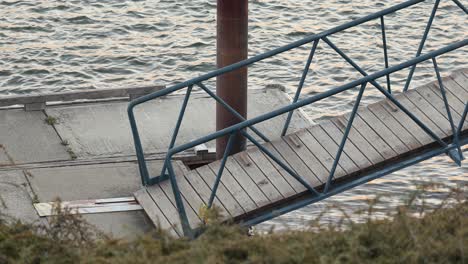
{"x": 232, "y": 35}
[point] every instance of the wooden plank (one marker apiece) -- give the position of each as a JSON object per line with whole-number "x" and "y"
{"x": 438, "y": 103}
{"x": 309, "y": 158}
{"x": 223, "y": 194}
{"x": 296, "y": 185}
{"x": 320, "y": 152}
{"x": 463, "y": 96}
{"x": 192, "y": 214}
{"x": 419, "y": 114}
{"x": 407, "y": 122}
{"x": 258, "y": 177}
{"x": 367, "y": 149}
{"x": 190, "y": 195}
{"x": 246, "y": 182}
{"x": 380, "y": 112}
{"x": 455, "y": 104}
{"x": 234, "y": 188}
{"x": 332, "y": 148}
{"x": 462, "y": 79}
{"x": 425, "y": 107}
{"x": 153, "y": 211}
{"x": 166, "y": 186}
{"x": 295, "y": 162}
{"x": 203, "y": 191}
{"x": 373, "y": 138}
{"x": 270, "y": 172}
{"x": 349, "y": 148}
{"x": 79, "y": 95}
{"x": 464, "y": 72}
{"x": 455, "y": 88}
{"x": 168, "y": 209}
{"x": 384, "y": 132}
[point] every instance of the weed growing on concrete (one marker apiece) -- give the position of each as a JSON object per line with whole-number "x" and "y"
{"x": 50, "y": 120}
{"x": 72, "y": 154}
{"x": 35, "y": 198}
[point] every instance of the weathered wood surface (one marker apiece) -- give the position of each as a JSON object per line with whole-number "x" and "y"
{"x": 380, "y": 134}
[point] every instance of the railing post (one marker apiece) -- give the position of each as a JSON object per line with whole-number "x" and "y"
{"x": 455, "y": 155}
{"x": 421, "y": 44}
{"x": 384, "y": 42}
{"x": 221, "y": 169}
{"x": 230, "y": 109}
{"x": 138, "y": 147}
{"x": 459, "y": 4}
{"x": 163, "y": 176}
{"x": 345, "y": 137}
{"x": 178, "y": 199}
{"x": 301, "y": 84}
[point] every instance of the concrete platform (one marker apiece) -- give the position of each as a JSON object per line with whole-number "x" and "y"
{"x": 103, "y": 129}
{"x": 89, "y": 153}
{"x": 83, "y": 182}
{"x": 26, "y": 137}
{"x": 15, "y": 197}
{"x": 4, "y": 159}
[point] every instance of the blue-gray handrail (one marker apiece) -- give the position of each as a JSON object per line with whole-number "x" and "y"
{"x": 168, "y": 170}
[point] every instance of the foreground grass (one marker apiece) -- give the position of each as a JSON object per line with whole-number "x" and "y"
{"x": 440, "y": 236}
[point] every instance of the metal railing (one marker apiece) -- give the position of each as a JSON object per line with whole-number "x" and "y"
{"x": 453, "y": 149}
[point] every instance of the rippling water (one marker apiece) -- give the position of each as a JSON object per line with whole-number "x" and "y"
{"x": 50, "y": 46}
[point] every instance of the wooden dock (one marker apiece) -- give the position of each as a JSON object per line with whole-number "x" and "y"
{"x": 252, "y": 183}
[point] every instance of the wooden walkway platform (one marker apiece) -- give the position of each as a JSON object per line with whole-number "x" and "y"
{"x": 252, "y": 183}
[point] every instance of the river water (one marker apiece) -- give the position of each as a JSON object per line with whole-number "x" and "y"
{"x": 62, "y": 45}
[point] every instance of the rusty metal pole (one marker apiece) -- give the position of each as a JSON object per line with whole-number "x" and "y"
{"x": 232, "y": 35}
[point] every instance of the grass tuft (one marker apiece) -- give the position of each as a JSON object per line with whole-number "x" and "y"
{"x": 72, "y": 154}
{"x": 50, "y": 120}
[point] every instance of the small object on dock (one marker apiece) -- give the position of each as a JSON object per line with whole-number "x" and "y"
{"x": 123, "y": 204}
{"x": 201, "y": 150}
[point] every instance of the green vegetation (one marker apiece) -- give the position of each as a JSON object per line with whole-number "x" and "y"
{"x": 70, "y": 151}
{"x": 72, "y": 154}
{"x": 438, "y": 236}
{"x": 50, "y": 120}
